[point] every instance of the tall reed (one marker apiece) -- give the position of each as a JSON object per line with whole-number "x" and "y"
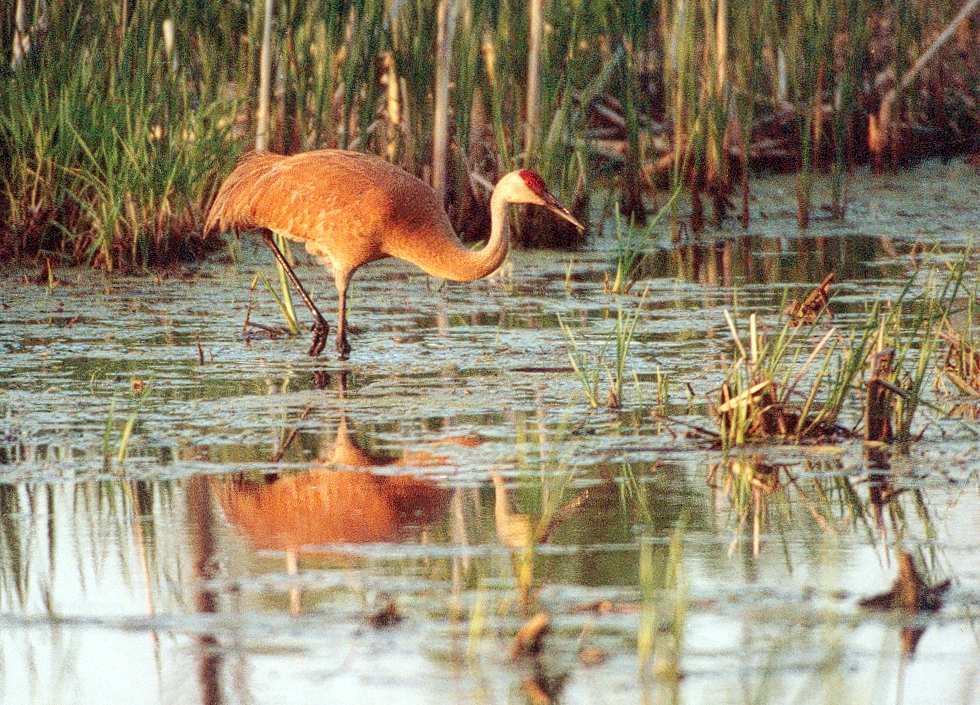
{"x": 748, "y": 81}
{"x": 632, "y": 21}
{"x": 807, "y": 49}
{"x": 846, "y": 83}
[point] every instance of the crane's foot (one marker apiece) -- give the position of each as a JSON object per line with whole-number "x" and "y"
{"x": 320, "y": 331}
{"x": 343, "y": 347}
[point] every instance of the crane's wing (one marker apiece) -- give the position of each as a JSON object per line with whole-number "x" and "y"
{"x": 312, "y": 195}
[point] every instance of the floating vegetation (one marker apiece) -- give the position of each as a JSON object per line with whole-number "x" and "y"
{"x": 530, "y": 637}
{"x": 910, "y": 594}
{"x": 388, "y": 615}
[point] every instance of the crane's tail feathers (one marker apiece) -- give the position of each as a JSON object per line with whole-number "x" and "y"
{"x": 232, "y": 207}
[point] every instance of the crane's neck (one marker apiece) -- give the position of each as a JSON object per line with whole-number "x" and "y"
{"x": 438, "y": 251}
{"x": 486, "y": 260}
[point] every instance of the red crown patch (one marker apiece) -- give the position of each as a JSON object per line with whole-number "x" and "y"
{"x": 533, "y": 181}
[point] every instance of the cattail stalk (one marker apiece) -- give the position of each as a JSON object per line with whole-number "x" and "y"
{"x": 27, "y": 36}
{"x": 169, "y": 43}
{"x": 535, "y": 31}
{"x": 22, "y": 38}
{"x": 782, "y": 77}
{"x": 721, "y": 36}
{"x": 393, "y": 106}
{"x": 265, "y": 83}
{"x": 448, "y": 11}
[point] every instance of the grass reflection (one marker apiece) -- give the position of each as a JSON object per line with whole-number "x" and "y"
{"x": 780, "y": 500}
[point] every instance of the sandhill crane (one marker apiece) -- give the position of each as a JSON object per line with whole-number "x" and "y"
{"x": 350, "y": 208}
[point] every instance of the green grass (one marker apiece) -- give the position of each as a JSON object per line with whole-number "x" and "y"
{"x": 589, "y": 366}
{"x": 632, "y": 247}
{"x": 112, "y": 155}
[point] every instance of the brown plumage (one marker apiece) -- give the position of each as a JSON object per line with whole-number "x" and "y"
{"x": 349, "y": 208}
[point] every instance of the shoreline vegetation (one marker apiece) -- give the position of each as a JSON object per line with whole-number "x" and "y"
{"x": 118, "y": 120}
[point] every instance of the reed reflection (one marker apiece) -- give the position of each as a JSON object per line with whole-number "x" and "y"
{"x": 755, "y": 259}
{"x": 201, "y": 517}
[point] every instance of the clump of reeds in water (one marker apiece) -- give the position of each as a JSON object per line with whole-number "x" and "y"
{"x": 767, "y": 394}
{"x": 905, "y": 343}
{"x": 787, "y": 388}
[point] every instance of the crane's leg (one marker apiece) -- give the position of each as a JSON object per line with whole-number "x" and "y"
{"x": 342, "y": 279}
{"x": 320, "y": 326}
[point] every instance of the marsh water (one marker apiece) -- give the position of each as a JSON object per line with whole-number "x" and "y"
{"x": 193, "y": 515}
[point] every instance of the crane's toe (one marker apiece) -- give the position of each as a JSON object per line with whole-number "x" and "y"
{"x": 320, "y": 331}
{"x": 343, "y": 347}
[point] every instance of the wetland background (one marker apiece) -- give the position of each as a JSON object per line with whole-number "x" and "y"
{"x": 118, "y": 119}
{"x": 191, "y": 510}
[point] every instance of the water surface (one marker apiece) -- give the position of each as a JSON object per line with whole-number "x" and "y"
{"x": 234, "y": 544}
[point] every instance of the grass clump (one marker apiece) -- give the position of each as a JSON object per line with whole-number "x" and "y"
{"x": 906, "y": 342}
{"x": 589, "y": 368}
{"x": 762, "y": 398}
{"x": 771, "y": 393}
{"x": 111, "y": 154}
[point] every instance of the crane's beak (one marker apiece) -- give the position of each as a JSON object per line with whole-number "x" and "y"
{"x": 552, "y": 204}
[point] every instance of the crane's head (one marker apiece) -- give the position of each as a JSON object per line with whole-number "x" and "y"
{"x": 525, "y": 186}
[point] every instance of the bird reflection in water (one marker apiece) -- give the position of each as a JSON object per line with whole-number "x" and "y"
{"x": 332, "y": 504}
{"x": 336, "y": 502}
